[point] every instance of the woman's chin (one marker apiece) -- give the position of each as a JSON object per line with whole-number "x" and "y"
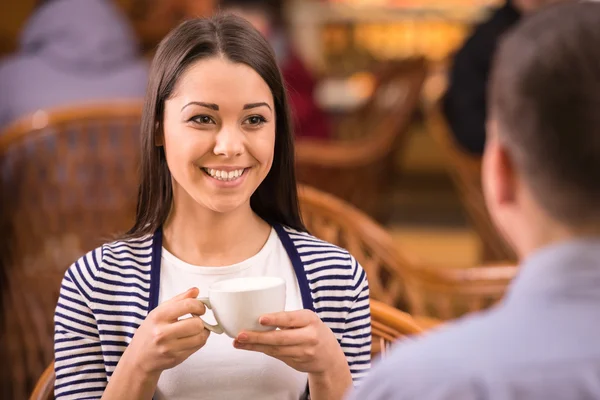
{"x": 226, "y": 210}
{"x": 225, "y": 206}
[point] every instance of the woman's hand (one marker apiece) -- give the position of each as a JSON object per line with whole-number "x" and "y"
{"x": 306, "y": 344}
{"x": 163, "y": 341}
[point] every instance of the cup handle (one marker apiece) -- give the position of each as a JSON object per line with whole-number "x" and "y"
{"x": 213, "y": 328}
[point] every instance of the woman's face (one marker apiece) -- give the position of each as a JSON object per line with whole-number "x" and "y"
{"x": 219, "y": 135}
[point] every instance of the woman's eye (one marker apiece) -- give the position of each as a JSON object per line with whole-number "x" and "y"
{"x": 202, "y": 119}
{"x": 256, "y": 120}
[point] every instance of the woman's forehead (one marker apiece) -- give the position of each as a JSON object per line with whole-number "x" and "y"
{"x": 219, "y": 80}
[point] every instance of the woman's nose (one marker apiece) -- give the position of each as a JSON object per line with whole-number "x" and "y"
{"x": 229, "y": 142}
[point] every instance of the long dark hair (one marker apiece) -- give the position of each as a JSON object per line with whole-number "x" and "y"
{"x": 276, "y": 199}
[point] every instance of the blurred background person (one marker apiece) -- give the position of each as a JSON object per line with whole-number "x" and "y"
{"x": 71, "y": 51}
{"x": 152, "y": 20}
{"x": 267, "y": 17}
{"x": 465, "y": 103}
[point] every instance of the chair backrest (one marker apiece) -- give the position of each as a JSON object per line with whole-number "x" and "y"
{"x": 448, "y": 293}
{"x": 465, "y": 170}
{"x": 358, "y": 169}
{"x": 340, "y": 223}
{"x": 395, "y": 278}
{"x": 388, "y": 325}
{"x": 44, "y": 388}
{"x": 68, "y": 182}
{"x": 392, "y": 83}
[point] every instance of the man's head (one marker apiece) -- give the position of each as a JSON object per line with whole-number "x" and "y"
{"x": 541, "y": 167}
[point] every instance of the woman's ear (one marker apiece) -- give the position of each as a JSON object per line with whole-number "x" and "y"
{"x": 159, "y": 137}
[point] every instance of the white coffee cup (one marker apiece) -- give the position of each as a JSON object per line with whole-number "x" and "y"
{"x": 239, "y": 303}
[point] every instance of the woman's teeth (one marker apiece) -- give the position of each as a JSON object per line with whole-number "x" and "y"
{"x": 224, "y": 175}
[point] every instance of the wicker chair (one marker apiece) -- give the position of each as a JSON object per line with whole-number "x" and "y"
{"x": 44, "y": 388}
{"x": 387, "y": 324}
{"x": 465, "y": 170}
{"x": 335, "y": 221}
{"x": 448, "y": 293}
{"x": 358, "y": 169}
{"x": 428, "y": 293}
{"x": 69, "y": 183}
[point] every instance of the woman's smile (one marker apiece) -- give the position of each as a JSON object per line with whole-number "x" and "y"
{"x": 226, "y": 177}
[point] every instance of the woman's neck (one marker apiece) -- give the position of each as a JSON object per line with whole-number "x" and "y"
{"x": 207, "y": 238}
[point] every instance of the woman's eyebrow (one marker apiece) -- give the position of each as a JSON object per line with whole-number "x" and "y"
{"x": 255, "y": 105}
{"x": 212, "y": 106}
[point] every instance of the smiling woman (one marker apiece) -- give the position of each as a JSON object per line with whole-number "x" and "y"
{"x": 220, "y": 119}
{"x": 217, "y": 200}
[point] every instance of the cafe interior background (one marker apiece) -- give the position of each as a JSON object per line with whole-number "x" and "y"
{"x": 402, "y": 196}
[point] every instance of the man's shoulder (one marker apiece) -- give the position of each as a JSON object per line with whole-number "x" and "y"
{"x": 495, "y": 350}
{"x": 441, "y": 364}
{"x": 460, "y": 348}
{"x": 447, "y": 344}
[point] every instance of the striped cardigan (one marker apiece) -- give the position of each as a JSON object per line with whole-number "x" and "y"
{"x": 107, "y": 294}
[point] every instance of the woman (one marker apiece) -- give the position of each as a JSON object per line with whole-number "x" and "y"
{"x": 217, "y": 200}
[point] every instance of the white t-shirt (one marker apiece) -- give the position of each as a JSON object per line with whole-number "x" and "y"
{"x": 218, "y": 371}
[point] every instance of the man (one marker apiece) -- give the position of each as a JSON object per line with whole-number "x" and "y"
{"x": 71, "y": 51}
{"x": 465, "y": 100}
{"x": 541, "y": 172}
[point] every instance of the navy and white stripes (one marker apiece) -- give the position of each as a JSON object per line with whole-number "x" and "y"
{"x": 107, "y": 294}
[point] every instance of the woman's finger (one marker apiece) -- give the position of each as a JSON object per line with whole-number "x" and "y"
{"x": 289, "y": 319}
{"x": 184, "y": 328}
{"x": 288, "y": 337}
{"x": 191, "y": 342}
{"x": 173, "y": 310}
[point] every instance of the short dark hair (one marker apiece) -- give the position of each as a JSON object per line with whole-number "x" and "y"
{"x": 276, "y": 199}
{"x": 545, "y": 96}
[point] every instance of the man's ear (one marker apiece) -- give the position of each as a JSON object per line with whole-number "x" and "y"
{"x": 499, "y": 175}
{"x": 159, "y": 137}
{"x": 506, "y": 175}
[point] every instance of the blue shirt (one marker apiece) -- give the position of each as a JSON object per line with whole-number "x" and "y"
{"x": 542, "y": 342}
